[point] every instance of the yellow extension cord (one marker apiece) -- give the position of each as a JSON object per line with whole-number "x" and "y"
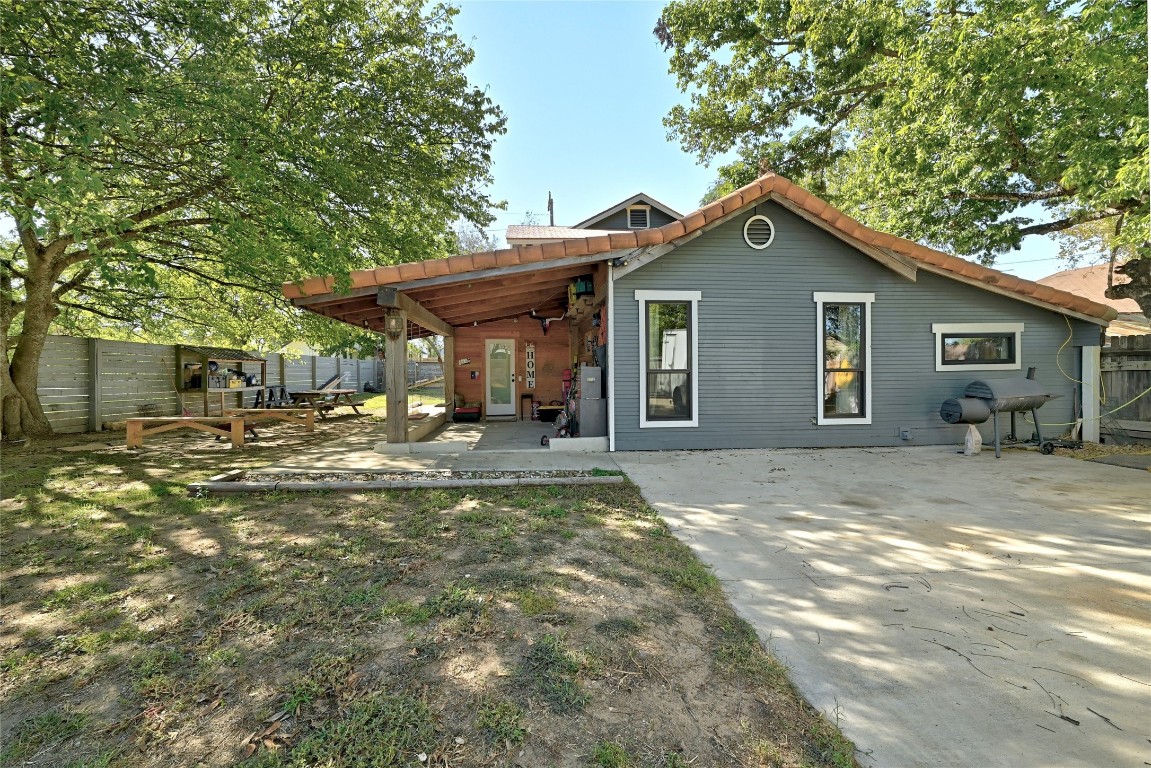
{"x": 1102, "y": 387}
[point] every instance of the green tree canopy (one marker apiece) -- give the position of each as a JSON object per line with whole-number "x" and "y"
{"x": 171, "y": 162}
{"x": 968, "y": 124}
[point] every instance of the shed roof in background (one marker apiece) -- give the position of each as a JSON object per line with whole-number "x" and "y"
{"x": 1090, "y": 283}
{"x": 222, "y": 353}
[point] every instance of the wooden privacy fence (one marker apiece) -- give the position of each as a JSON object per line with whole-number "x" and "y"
{"x": 85, "y": 383}
{"x": 1126, "y": 369}
{"x": 424, "y": 370}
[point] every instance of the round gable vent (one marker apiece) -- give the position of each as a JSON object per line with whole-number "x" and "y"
{"x": 758, "y": 232}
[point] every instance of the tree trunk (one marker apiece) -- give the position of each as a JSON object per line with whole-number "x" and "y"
{"x": 1138, "y": 287}
{"x": 22, "y": 414}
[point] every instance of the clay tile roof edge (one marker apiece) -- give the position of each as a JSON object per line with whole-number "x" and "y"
{"x": 747, "y": 195}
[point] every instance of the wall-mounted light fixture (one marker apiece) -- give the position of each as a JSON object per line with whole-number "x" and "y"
{"x": 394, "y": 326}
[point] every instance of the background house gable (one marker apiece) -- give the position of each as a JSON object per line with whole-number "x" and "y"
{"x": 615, "y": 217}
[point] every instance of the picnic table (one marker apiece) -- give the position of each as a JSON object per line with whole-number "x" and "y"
{"x": 325, "y": 399}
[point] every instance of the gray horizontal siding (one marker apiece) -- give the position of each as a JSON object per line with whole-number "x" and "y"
{"x": 757, "y": 330}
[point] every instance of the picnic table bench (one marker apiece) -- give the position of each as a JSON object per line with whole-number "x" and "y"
{"x": 232, "y": 425}
{"x": 221, "y": 426}
{"x": 304, "y": 416}
{"x": 324, "y": 400}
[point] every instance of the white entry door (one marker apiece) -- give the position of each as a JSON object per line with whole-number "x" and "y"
{"x": 501, "y": 377}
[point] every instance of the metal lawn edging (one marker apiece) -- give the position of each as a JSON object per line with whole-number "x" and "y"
{"x": 229, "y": 483}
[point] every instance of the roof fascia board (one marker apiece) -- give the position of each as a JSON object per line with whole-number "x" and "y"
{"x": 893, "y": 261}
{"x": 1012, "y": 294}
{"x": 517, "y": 269}
{"x": 333, "y": 298}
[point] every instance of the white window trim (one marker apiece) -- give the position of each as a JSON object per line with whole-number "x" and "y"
{"x": 820, "y": 299}
{"x": 974, "y": 329}
{"x": 643, "y": 297}
{"x": 647, "y": 211}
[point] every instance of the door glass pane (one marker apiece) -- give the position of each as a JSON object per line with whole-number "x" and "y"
{"x": 500, "y": 373}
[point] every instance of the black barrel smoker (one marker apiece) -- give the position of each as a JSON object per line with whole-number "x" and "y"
{"x": 987, "y": 398}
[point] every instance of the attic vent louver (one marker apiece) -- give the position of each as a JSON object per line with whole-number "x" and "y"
{"x": 758, "y": 232}
{"x": 638, "y": 217}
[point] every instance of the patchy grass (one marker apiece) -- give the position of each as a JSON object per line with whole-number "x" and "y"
{"x": 535, "y": 625}
{"x": 549, "y": 672}
{"x": 418, "y": 397}
{"x": 501, "y": 721}
{"x": 608, "y": 754}
{"x": 40, "y": 733}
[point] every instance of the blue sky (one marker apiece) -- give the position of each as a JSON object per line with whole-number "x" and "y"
{"x": 585, "y": 88}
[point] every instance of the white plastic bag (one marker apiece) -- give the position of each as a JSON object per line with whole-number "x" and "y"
{"x": 973, "y": 443}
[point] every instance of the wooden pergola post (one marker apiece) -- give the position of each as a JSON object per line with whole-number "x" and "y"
{"x": 398, "y": 305}
{"x": 396, "y": 374}
{"x": 450, "y": 376}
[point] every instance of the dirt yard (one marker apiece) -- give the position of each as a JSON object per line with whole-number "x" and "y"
{"x": 522, "y": 627}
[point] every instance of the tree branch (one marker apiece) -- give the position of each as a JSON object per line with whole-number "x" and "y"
{"x": 1031, "y": 197}
{"x": 75, "y": 257}
{"x": 74, "y": 282}
{"x": 106, "y": 236}
{"x": 99, "y": 312}
{"x": 1070, "y": 221}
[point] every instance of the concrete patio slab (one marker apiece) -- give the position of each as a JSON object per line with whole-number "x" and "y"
{"x": 497, "y": 445}
{"x": 946, "y": 611}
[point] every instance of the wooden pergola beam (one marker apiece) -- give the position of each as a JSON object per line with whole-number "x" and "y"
{"x": 523, "y": 303}
{"x": 518, "y": 269}
{"x": 481, "y": 282}
{"x": 393, "y": 298}
{"x": 439, "y": 303}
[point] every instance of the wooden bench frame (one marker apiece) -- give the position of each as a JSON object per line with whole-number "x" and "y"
{"x": 304, "y": 416}
{"x": 139, "y": 428}
{"x": 231, "y": 425}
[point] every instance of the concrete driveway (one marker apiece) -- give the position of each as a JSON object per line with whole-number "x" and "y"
{"x": 945, "y": 610}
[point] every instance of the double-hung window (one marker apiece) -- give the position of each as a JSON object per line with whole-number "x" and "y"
{"x": 843, "y": 349}
{"x": 669, "y": 358}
